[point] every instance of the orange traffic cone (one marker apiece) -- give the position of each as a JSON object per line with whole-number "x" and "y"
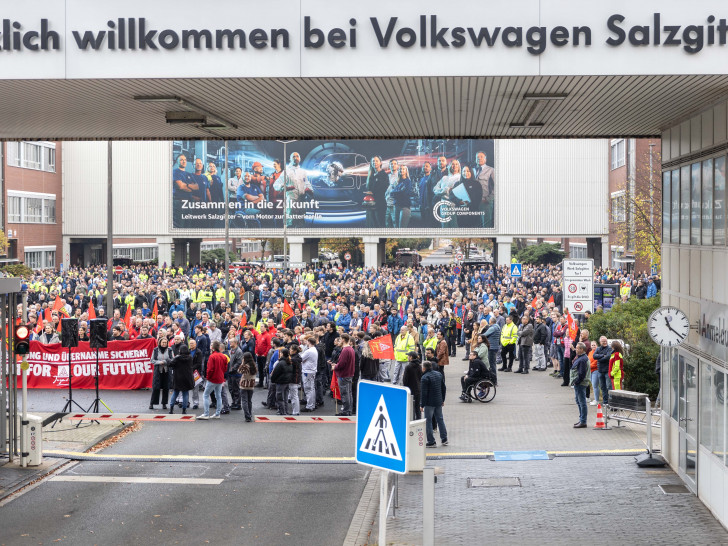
{"x": 600, "y": 425}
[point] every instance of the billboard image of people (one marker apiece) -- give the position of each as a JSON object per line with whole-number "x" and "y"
{"x": 379, "y": 184}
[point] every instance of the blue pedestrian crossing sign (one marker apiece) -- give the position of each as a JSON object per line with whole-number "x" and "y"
{"x": 516, "y": 270}
{"x": 383, "y": 414}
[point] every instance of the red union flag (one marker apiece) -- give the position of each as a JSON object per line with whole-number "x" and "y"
{"x": 382, "y": 348}
{"x": 287, "y": 312}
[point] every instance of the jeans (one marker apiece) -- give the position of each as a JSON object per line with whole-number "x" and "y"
{"x": 595, "y": 384}
{"x": 295, "y": 406}
{"x": 320, "y": 387}
{"x": 383, "y": 370}
{"x": 233, "y": 384}
{"x": 461, "y": 333}
{"x": 435, "y": 411}
{"x": 224, "y": 396}
{"x": 524, "y": 355}
{"x": 398, "y": 372}
{"x": 282, "y": 398}
{"x": 492, "y": 355}
{"x": 402, "y": 216}
{"x": 580, "y": 395}
{"x": 309, "y": 390}
{"x": 345, "y": 391}
{"x": 391, "y": 220}
{"x": 260, "y": 362}
{"x": 246, "y": 400}
{"x": 217, "y": 388}
{"x": 560, "y": 355}
{"x": 185, "y": 398}
{"x": 271, "y": 400}
{"x": 604, "y": 386}
{"x": 540, "y": 354}
{"x": 195, "y": 396}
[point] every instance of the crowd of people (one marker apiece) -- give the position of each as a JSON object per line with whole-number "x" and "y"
{"x": 292, "y": 332}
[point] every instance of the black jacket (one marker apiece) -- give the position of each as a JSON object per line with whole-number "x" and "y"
{"x": 601, "y": 355}
{"x": 182, "y": 379}
{"x": 432, "y": 389}
{"x": 412, "y": 378}
{"x": 282, "y": 373}
{"x": 477, "y": 369}
{"x": 541, "y": 334}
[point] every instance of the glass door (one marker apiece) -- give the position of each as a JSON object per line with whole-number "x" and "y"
{"x": 688, "y": 417}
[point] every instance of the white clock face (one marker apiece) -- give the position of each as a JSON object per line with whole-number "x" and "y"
{"x": 668, "y": 326}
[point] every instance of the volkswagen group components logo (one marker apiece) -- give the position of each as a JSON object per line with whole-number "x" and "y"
{"x": 436, "y": 211}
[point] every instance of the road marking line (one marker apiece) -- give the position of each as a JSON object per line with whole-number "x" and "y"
{"x": 136, "y": 479}
{"x": 265, "y": 458}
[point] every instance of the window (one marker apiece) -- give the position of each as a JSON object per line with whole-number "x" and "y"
{"x": 40, "y": 156}
{"x": 719, "y": 202}
{"x": 34, "y": 259}
{"x": 666, "y": 207}
{"x": 696, "y": 204}
{"x": 14, "y": 209}
{"x": 577, "y": 251}
{"x": 40, "y": 257}
{"x": 31, "y": 208}
{"x": 707, "y": 220}
{"x": 675, "y": 214}
{"x": 618, "y": 154}
{"x": 685, "y": 205}
{"x": 619, "y": 207}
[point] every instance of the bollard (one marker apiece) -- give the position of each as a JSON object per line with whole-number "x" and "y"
{"x": 428, "y": 506}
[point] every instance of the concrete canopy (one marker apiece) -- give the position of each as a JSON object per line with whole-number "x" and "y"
{"x": 370, "y": 107}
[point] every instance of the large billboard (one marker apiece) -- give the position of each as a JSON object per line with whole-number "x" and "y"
{"x": 349, "y": 184}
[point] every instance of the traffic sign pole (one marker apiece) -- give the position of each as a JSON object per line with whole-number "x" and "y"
{"x": 383, "y": 483}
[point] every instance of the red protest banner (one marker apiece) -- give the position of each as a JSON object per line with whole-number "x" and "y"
{"x": 382, "y": 348}
{"x": 123, "y": 365}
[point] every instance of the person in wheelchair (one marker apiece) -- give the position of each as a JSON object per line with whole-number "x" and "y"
{"x": 476, "y": 372}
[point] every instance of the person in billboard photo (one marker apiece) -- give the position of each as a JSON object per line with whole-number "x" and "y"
{"x": 217, "y": 192}
{"x": 376, "y": 189}
{"x": 393, "y": 174}
{"x": 298, "y": 189}
{"x": 234, "y": 182}
{"x": 248, "y": 196}
{"x": 475, "y": 193}
{"x": 402, "y": 195}
{"x": 448, "y": 200}
{"x": 276, "y": 197}
{"x": 485, "y": 175}
{"x": 203, "y": 184}
{"x": 184, "y": 185}
{"x": 259, "y": 179}
{"x": 426, "y": 186}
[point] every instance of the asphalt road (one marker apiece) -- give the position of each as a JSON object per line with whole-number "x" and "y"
{"x": 254, "y": 504}
{"x": 272, "y": 503}
{"x": 438, "y": 258}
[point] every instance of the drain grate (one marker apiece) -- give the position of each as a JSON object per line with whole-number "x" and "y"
{"x": 674, "y": 489}
{"x": 494, "y": 482}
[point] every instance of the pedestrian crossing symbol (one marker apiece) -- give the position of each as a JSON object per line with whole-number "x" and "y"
{"x": 516, "y": 270}
{"x": 382, "y": 428}
{"x": 379, "y": 438}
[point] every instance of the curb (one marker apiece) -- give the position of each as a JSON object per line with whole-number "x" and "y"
{"x": 362, "y": 526}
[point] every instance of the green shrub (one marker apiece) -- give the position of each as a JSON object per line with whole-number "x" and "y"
{"x": 628, "y": 321}
{"x": 17, "y": 270}
{"x": 544, "y": 253}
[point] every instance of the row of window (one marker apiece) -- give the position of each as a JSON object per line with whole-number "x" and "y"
{"x": 31, "y": 210}
{"x": 618, "y": 153}
{"x": 713, "y": 428}
{"x": 693, "y": 203}
{"x": 619, "y": 207}
{"x": 41, "y": 259}
{"x": 138, "y": 254}
{"x": 40, "y": 156}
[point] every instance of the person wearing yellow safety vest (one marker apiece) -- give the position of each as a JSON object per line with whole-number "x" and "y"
{"x": 508, "y": 338}
{"x": 430, "y": 341}
{"x": 403, "y": 345}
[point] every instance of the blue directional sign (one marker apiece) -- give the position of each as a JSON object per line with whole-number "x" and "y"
{"x": 382, "y": 425}
{"x": 516, "y": 270}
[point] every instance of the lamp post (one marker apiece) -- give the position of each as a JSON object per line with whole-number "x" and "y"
{"x": 652, "y": 206}
{"x": 285, "y": 203}
{"x": 227, "y": 226}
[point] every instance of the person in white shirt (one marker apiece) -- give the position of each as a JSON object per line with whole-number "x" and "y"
{"x": 297, "y": 188}
{"x": 309, "y": 366}
{"x": 443, "y": 190}
{"x": 391, "y": 221}
{"x": 235, "y": 181}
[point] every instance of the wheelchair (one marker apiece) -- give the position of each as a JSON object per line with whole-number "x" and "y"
{"x": 482, "y": 391}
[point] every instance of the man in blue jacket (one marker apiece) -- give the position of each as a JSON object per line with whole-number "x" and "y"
{"x": 432, "y": 399}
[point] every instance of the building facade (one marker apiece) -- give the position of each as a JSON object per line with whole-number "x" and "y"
{"x": 634, "y": 203}
{"x": 694, "y": 260}
{"x": 32, "y": 191}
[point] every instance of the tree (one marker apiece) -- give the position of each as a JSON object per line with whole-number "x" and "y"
{"x": 274, "y": 246}
{"x": 544, "y": 253}
{"x": 393, "y": 245}
{"x": 628, "y": 322}
{"x": 640, "y": 230}
{"x": 352, "y": 245}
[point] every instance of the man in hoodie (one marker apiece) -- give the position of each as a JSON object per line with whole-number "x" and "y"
{"x": 344, "y": 369}
{"x": 602, "y": 355}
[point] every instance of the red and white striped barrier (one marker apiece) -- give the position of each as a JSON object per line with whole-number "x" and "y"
{"x": 304, "y": 419}
{"x": 129, "y": 417}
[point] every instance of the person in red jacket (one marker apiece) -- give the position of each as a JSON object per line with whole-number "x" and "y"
{"x": 262, "y": 346}
{"x": 344, "y": 370}
{"x": 217, "y": 365}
